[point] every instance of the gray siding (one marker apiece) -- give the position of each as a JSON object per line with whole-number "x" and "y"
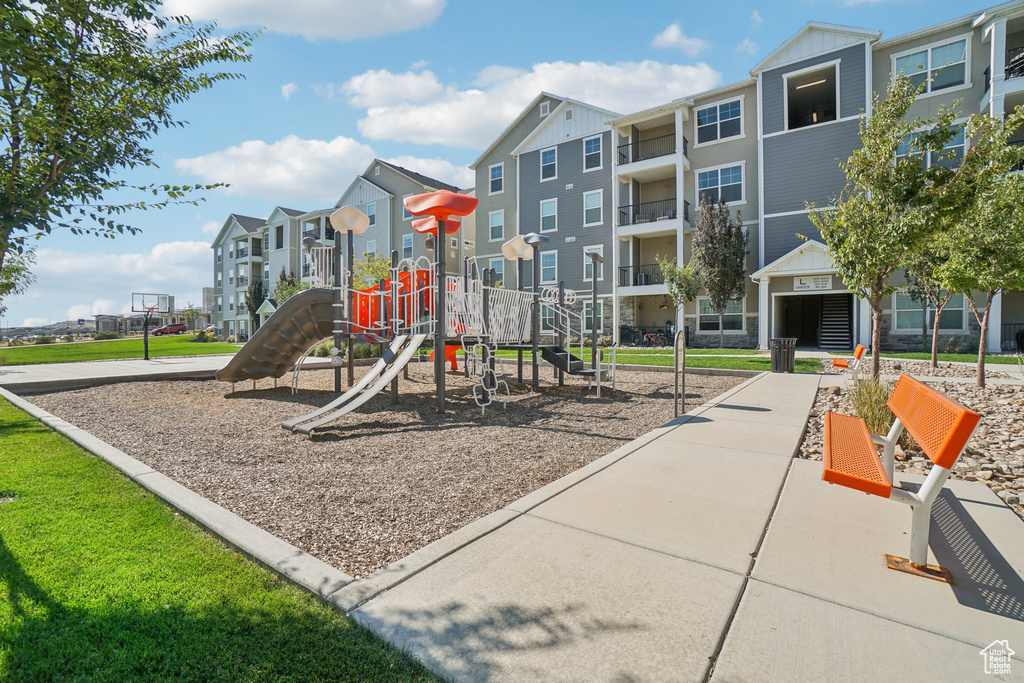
{"x": 803, "y": 165}
{"x": 782, "y": 234}
{"x": 570, "y": 210}
{"x": 851, "y": 86}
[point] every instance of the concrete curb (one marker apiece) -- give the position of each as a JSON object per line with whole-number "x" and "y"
{"x": 291, "y": 563}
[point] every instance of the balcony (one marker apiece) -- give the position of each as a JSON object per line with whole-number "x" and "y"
{"x": 652, "y": 218}
{"x": 1015, "y": 62}
{"x": 243, "y": 281}
{"x": 651, "y": 159}
{"x": 640, "y": 276}
{"x": 257, "y": 250}
{"x": 242, "y": 252}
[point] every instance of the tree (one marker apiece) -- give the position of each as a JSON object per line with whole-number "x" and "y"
{"x": 84, "y": 86}
{"x": 369, "y": 271}
{"x": 720, "y": 249}
{"x": 924, "y": 287}
{"x": 255, "y": 295}
{"x": 986, "y": 253}
{"x": 15, "y": 276}
{"x": 683, "y": 282}
{"x": 287, "y": 286}
{"x": 190, "y": 315}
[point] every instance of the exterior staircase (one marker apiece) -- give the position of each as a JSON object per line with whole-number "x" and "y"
{"x": 835, "y": 331}
{"x": 567, "y": 361}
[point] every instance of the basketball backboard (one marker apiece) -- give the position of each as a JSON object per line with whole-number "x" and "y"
{"x": 151, "y": 303}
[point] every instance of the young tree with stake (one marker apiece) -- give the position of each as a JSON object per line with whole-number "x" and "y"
{"x": 720, "y": 249}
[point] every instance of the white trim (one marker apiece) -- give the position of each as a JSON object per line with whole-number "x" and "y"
{"x": 491, "y": 260}
{"x": 760, "y": 176}
{"x": 518, "y": 231}
{"x": 404, "y": 197}
{"x": 815, "y": 126}
{"x": 742, "y": 314}
{"x": 540, "y": 255}
{"x": 600, "y": 138}
{"x": 490, "y": 237}
{"x": 540, "y": 164}
{"x": 599, "y": 191}
{"x": 964, "y": 323}
{"x": 586, "y": 261}
{"x": 500, "y": 164}
{"x": 928, "y": 67}
{"x": 369, "y": 244}
{"x": 863, "y": 34}
{"x": 515, "y": 122}
{"x": 411, "y": 246}
{"x": 743, "y": 183}
{"x": 798, "y": 212}
{"x": 583, "y": 315}
{"x": 540, "y": 209}
{"x": 545, "y": 108}
{"x": 718, "y": 103}
{"x": 835, "y": 64}
{"x": 869, "y": 81}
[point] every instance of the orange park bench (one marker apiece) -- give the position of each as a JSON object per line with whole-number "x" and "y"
{"x": 942, "y": 428}
{"x": 851, "y": 364}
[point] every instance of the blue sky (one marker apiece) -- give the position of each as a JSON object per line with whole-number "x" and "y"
{"x": 422, "y": 82}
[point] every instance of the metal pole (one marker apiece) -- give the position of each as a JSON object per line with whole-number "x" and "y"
{"x": 394, "y": 317}
{"x": 519, "y": 287}
{"x": 536, "y": 311}
{"x": 350, "y": 314}
{"x": 440, "y": 317}
{"x": 145, "y": 337}
{"x": 561, "y": 332}
{"x": 338, "y": 284}
{"x": 676, "y": 371}
{"x": 593, "y": 321}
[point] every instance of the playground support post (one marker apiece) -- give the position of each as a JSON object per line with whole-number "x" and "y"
{"x": 593, "y": 328}
{"x": 535, "y": 323}
{"x": 561, "y": 331}
{"x": 394, "y": 317}
{"x": 338, "y": 284}
{"x": 519, "y": 287}
{"x": 350, "y": 257}
{"x": 439, "y": 313}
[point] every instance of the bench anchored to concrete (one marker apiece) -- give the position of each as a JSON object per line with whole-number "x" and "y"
{"x": 851, "y": 364}
{"x": 941, "y": 427}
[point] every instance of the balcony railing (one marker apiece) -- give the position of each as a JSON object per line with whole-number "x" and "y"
{"x": 651, "y": 148}
{"x": 638, "y": 276}
{"x": 314, "y": 233}
{"x": 243, "y": 280}
{"x": 242, "y": 252}
{"x": 1015, "y": 62}
{"x": 257, "y": 250}
{"x": 649, "y": 212}
{"x": 1013, "y": 337}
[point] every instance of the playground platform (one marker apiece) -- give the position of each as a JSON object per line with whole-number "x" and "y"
{"x": 705, "y": 551}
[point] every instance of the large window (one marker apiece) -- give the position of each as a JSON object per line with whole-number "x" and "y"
{"x": 548, "y": 215}
{"x": 719, "y": 121}
{"x": 588, "y": 316}
{"x": 498, "y": 266}
{"x": 496, "y": 221}
{"x": 497, "y": 178}
{"x": 951, "y": 156}
{"x": 407, "y": 246}
{"x": 593, "y": 208}
{"x": 549, "y": 163}
{"x": 588, "y": 264}
{"x": 371, "y": 211}
{"x": 812, "y": 97}
{"x": 549, "y": 267}
{"x": 707, "y": 317}
{"x": 592, "y": 154}
{"x": 725, "y": 184}
{"x": 547, "y": 318}
{"x": 937, "y": 67}
{"x": 910, "y": 314}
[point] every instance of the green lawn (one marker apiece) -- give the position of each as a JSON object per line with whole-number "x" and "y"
{"x": 948, "y": 357}
{"x": 113, "y": 348}
{"x": 693, "y": 361}
{"x": 100, "y": 580}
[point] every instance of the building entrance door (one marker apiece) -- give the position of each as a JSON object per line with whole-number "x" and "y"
{"x": 818, "y": 321}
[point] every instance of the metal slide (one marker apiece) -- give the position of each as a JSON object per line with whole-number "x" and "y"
{"x": 274, "y": 348}
{"x": 387, "y": 359}
{"x": 392, "y": 372}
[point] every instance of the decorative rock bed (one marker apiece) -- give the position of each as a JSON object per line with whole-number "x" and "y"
{"x": 994, "y": 456}
{"x": 919, "y": 368}
{"x": 386, "y": 480}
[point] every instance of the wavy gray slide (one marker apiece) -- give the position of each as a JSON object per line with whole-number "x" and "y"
{"x": 392, "y": 372}
{"x": 387, "y": 359}
{"x": 274, "y": 348}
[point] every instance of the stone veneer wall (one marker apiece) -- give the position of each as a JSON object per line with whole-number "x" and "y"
{"x": 731, "y": 341}
{"x": 912, "y": 342}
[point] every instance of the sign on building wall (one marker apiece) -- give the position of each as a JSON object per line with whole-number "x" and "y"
{"x": 812, "y": 282}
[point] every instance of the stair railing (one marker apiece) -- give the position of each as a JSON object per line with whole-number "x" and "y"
{"x": 565, "y": 321}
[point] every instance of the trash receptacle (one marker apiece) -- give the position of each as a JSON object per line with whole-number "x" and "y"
{"x": 783, "y": 354}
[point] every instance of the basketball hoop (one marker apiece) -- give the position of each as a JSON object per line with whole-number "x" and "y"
{"x": 149, "y": 304}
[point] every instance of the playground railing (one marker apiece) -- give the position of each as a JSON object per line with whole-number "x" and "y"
{"x": 321, "y": 261}
{"x": 509, "y": 315}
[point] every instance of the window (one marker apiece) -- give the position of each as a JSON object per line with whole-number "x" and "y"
{"x": 707, "y": 318}
{"x": 371, "y": 247}
{"x": 937, "y": 67}
{"x": 371, "y": 211}
{"x": 811, "y": 98}
{"x": 592, "y": 154}
{"x": 231, "y": 305}
{"x": 496, "y": 221}
{"x": 545, "y": 109}
{"x": 279, "y": 237}
{"x": 548, "y": 215}
{"x": 588, "y": 316}
{"x": 407, "y": 246}
{"x": 549, "y": 267}
{"x": 593, "y": 208}
{"x": 220, "y": 279}
{"x": 406, "y": 216}
{"x": 909, "y": 314}
{"x": 220, "y": 304}
{"x": 498, "y": 266}
{"x": 549, "y": 163}
{"x": 588, "y": 265}
{"x": 724, "y": 184}
{"x": 497, "y": 174}
{"x": 376, "y": 170}
{"x": 231, "y": 253}
{"x": 220, "y": 254}
{"x": 719, "y": 121}
{"x": 568, "y": 115}
{"x": 454, "y": 242}
{"x": 950, "y": 157}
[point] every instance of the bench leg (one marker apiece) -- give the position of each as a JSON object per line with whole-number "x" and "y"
{"x": 921, "y": 504}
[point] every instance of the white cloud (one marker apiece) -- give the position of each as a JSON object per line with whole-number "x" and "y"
{"x": 673, "y": 36}
{"x": 289, "y": 168}
{"x": 419, "y": 64}
{"x": 313, "y": 19}
{"x": 87, "y": 311}
{"x": 473, "y": 117}
{"x": 287, "y": 90}
{"x": 748, "y": 47}
{"x": 383, "y": 88}
{"x": 755, "y": 20}
{"x": 459, "y": 176}
{"x": 211, "y": 227}
{"x": 35, "y": 322}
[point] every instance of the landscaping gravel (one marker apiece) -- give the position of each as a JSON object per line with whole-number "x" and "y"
{"x": 920, "y": 368}
{"x": 386, "y": 480}
{"x": 994, "y": 455}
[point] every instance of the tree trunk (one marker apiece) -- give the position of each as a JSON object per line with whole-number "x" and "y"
{"x": 721, "y": 331}
{"x": 924, "y": 325}
{"x": 983, "y": 340}
{"x": 876, "y": 335}
{"x": 935, "y": 329}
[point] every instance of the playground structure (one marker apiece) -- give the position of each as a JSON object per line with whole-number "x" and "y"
{"x": 418, "y": 301}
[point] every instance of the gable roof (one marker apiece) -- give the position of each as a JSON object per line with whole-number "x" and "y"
{"x": 553, "y": 116}
{"x": 361, "y": 178}
{"x": 424, "y": 180}
{"x": 810, "y": 257}
{"x": 780, "y": 55}
{"x": 515, "y": 122}
{"x": 291, "y": 212}
{"x": 249, "y": 223}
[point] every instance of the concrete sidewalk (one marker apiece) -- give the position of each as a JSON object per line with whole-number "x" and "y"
{"x": 704, "y": 550}
{"x": 27, "y": 379}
